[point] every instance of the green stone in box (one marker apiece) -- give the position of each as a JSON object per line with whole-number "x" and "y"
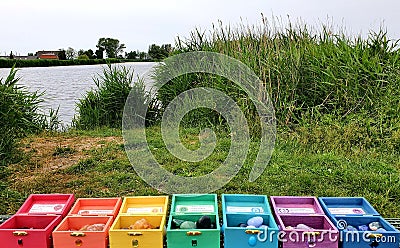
{"x": 193, "y": 221}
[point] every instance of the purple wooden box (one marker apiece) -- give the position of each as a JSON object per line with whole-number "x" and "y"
{"x": 296, "y": 205}
{"x": 303, "y": 223}
{"x": 322, "y": 235}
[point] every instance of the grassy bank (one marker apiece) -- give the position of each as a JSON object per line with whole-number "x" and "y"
{"x": 8, "y": 63}
{"x": 337, "y": 106}
{"x": 94, "y": 164}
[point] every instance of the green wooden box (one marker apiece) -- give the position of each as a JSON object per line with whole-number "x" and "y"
{"x": 190, "y": 208}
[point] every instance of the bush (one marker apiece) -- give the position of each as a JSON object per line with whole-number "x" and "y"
{"x": 19, "y": 114}
{"x": 104, "y": 106}
{"x": 83, "y": 56}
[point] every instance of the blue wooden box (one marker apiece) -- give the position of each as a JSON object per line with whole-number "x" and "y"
{"x": 237, "y": 210}
{"x": 192, "y": 207}
{"x": 346, "y": 212}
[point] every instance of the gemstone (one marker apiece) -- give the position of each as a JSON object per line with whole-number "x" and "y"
{"x": 303, "y": 226}
{"x": 363, "y": 228}
{"x": 252, "y": 241}
{"x": 188, "y": 225}
{"x": 381, "y": 230}
{"x": 374, "y": 225}
{"x": 204, "y": 222}
{"x": 176, "y": 223}
{"x": 141, "y": 224}
{"x": 255, "y": 221}
{"x": 93, "y": 228}
{"x": 351, "y": 228}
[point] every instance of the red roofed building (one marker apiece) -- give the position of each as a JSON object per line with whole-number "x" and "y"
{"x": 47, "y": 54}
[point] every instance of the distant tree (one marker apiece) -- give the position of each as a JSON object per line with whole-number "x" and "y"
{"x": 70, "y": 53}
{"x": 90, "y": 54}
{"x": 167, "y": 48}
{"x": 62, "y": 54}
{"x": 11, "y": 55}
{"x": 100, "y": 53}
{"x": 158, "y": 53}
{"x": 83, "y": 56}
{"x": 111, "y": 46}
{"x": 142, "y": 55}
{"x": 30, "y": 54}
{"x": 131, "y": 55}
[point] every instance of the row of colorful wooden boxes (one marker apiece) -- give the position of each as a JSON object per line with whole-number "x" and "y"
{"x": 48, "y": 220}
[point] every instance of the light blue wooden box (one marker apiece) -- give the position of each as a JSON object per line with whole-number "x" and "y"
{"x": 237, "y": 209}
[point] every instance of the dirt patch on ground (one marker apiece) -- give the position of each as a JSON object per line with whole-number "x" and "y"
{"x": 52, "y": 153}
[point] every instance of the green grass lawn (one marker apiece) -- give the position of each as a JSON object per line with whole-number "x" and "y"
{"x": 299, "y": 165}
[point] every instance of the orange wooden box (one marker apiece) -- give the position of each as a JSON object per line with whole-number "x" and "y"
{"x": 96, "y": 207}
{"x": 67, "y": 234}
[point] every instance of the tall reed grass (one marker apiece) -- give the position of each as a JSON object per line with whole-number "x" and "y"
{"x": 20, "y": 115}
{"x": 309, "y": 72}
{"x": 104, "y": 105}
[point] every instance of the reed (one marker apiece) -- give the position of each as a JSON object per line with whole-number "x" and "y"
{"x": 104, "y": 105}
{"x": 309, "y": 73}
{"x": 20, "y": 115}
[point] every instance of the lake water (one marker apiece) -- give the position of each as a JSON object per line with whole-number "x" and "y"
{"x": 64, "y": 85}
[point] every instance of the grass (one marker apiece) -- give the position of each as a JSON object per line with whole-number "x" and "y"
{"x": 63, "y": 151}
{"x": 297, "y": 167}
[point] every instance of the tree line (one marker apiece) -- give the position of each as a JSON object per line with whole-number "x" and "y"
{"x": 113, "y": 48}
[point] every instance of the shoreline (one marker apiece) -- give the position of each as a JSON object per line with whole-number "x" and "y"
{"x": 9, "y": 63}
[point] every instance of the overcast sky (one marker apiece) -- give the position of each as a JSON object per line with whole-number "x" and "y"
{"x": 32, "y": 25}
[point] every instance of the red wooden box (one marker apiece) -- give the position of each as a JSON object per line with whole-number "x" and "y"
{"x": 32, "y": 225}
{"x": 32, "y": 231}
{"x": 45, "y": 204}
{"x": 69, "y": 234}
{"x": 96, "y": 207}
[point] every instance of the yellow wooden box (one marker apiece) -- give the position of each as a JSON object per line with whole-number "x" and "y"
{"x": 121, "y": 236}
{"x": 144, "y": 205}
